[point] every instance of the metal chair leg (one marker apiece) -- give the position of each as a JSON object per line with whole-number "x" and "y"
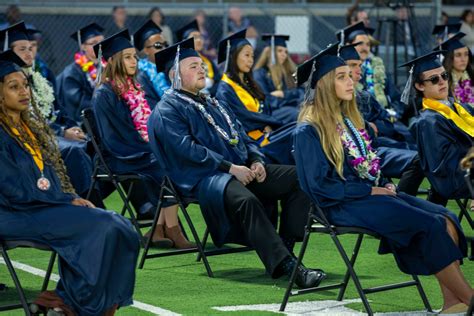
{"x": 204, "y": 242}
{"x": 355, "y": 253}
{"x": 422, "y": 293}
{"x": 48, "y": 271}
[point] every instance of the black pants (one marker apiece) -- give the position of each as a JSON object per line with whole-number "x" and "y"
{"x": 244, "y": 206}
{"x": 412, "y": 178}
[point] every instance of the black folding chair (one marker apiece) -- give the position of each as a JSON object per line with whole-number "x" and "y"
{"x": 318, "y": 223}
{"x": 470, "y": 310}
{"x": 169, "y": 193}
{"x": 6, "y": 246}
{"x": 469, "y": 177}
{"x": 103, "y": 173}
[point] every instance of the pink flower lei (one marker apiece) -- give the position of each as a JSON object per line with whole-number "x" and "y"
{"x": 362, "y": 157}
{"x": 139, "y": 108}
{"x": 464, "y": 91}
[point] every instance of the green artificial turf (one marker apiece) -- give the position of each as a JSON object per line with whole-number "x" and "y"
{"x": 180, "y": 284}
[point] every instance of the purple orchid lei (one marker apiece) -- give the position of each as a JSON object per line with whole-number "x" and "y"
{"x": 362, "y": 157}
{"x": 464, "y": 91}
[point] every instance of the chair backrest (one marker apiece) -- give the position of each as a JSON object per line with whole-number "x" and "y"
{"x": 90, "y": 124}
{"x": 318, "y": 215}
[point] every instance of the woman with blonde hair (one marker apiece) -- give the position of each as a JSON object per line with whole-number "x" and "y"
{"x": 274, "y": 72}
{"x": 340, "y": 171}
{"x": 122, "y": 112}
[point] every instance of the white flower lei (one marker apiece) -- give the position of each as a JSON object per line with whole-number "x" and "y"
{"x": 43, "y": 94}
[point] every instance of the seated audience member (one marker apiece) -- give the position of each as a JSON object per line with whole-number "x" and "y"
{"x": 240, "y": 91}
{"x": 339, "y": 170}
{"x": 122, "y": 112}
{"x": 444, "y": 130}
{"x": 208, "y": 156}
{"x": 212, "y": 73}
{"x": 97, "y": 249}
{"x": 274, "y": 74}
{"x": 458, "y": 64}
{"x": 149, "y": 40}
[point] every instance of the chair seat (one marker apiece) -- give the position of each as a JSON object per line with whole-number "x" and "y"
{"x": 341, "y": 230}
{"x": 12, "y": 244}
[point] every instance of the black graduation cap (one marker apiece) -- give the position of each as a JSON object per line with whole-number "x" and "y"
{"x": 278, "y": 39}
{"x": 348, "y": 52}
{"x": 165, "y": 59}
{"x": 10, "y": 56}
{"x": 443, "y": 30}
{"x": 319, "y": 65}
{"x": 9, "y": 63}
{"x": 183, "y": 32}
{"x": 230, "y": 44}
{"x": 86, "y": 32}
{"x": 33, "y": 33}
{"x": 113, "y": 44}
{"x": 351, "y": 31}
{"x": 13, "y": 33}
{"x": 147, "y": 30}
{"x": 452, "y": 43}
{"x": 417, "y": 66}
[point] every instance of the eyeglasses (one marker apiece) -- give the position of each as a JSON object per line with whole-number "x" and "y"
{"x": 159, "y": 45}
{"x": 436, "y": 78}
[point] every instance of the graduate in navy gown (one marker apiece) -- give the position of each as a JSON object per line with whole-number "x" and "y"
{"x": 339, "y": 170}
{"x": 97, "y": 249}
{"x": 240, "y": 91}
{"x": 397, "y": 160}
{"x": 149, "y": 40}
{"x": 273, "y": 73}
{"x": 71, "y": 139}
{"x": 207, "y": 154}
{"x": 122, "y": 112}
{"x": 77, "y": 81}
{"x": 444, "y": 129}
{"x": 213, "y": 75}
{"x": 39, "y": 65}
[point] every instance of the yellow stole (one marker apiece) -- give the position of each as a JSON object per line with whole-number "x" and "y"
{"x": 462, "y": 119}
{"x": 252, "y": 104}
{"x": 34, "y": 152}
{"x": 210, "y": 70}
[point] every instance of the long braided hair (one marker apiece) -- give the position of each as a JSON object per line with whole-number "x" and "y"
{"x": 45, "y": 138}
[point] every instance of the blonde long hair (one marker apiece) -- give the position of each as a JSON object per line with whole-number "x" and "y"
{"x": 324, "y": 113}
{"x": 278, "y": 73}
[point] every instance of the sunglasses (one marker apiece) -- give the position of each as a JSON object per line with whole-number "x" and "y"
{"x": 159, "y": 45}
{"x": 436, "y": 78}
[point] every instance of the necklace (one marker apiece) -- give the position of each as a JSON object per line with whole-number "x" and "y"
{"x": 234, "y": 140}
{"x": 42, "y": 183}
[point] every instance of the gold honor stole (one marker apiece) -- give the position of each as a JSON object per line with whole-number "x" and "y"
{"x": 210, "y": 70}
{"x": 462, "y": 119}
{"x": 252, "y": 104}
{"x": 35, "y": 152}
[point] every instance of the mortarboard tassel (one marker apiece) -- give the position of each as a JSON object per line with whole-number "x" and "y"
{"x": 176, "y": 77}
{"x": 405, "y": 98}
{"x": 309, "y": 91}
{"x": 5, "y": 43}
{"x": 99, "y": 68}
{"x": 341, "y": 43}
{"x": 79, "y": 41}
{"x": 227, "y": 55}
{"x": 132, "y": 40}
{"x": 272, "y": 45}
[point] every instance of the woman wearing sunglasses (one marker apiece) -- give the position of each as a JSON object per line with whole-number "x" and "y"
{"x": 444, "y": 130}
{"x": 149, "y": 40}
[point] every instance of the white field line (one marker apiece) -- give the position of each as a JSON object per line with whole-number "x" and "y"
{"x": 54, "y": 277}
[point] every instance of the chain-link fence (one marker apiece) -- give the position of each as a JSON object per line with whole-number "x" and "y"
{"x": 311, "y": 27}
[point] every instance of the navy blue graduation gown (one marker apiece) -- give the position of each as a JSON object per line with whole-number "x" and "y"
{"x": 125, "y": 150}
{"x": 75, "y": 91}
{"x": 414, "y": 230}
{"x": 441, "y": 146}
{"x": 191, "y": 152}
{"x": 150, "y": 94}
{"x": 216, "y": 78}
{"x": 97, "y": 249}
{"x": 278, "y": 150}
{"x": 285, "y": 109}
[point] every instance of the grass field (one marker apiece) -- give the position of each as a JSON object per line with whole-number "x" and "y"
{"x": 180, "y": 284}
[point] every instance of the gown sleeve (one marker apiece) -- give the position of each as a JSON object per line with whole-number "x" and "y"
{"x": 317, "y": 177}
{"x": 74, "y": 94}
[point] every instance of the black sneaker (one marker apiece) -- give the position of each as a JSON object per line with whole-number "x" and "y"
{"x": 307, "y": 278}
